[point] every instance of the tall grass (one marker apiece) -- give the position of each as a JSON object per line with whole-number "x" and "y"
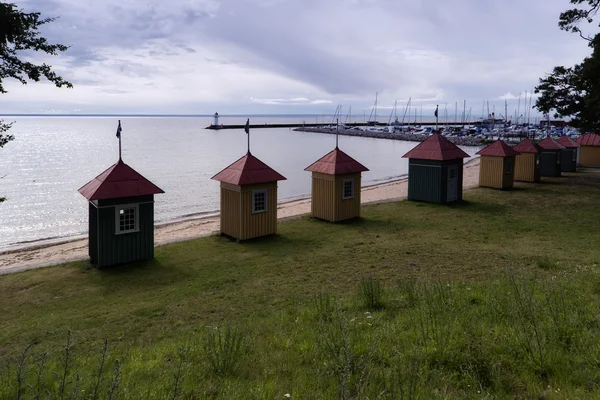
{"x": 521, "y": 336}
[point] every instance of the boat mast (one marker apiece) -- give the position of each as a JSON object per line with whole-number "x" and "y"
{"x": 376, "y": 93}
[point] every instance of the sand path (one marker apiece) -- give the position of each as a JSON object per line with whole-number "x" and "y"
{"x": 73, "y": 250}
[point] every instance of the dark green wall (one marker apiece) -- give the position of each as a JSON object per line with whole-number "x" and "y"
{"x": 567, "y": 163}
{"x": 428, "y": 180}
{"x": 93, "y": 233}
{"x": 113, "y": 249}
{"x": 549, "y": 163}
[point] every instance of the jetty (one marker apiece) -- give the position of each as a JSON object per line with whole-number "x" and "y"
{"x": 218, "y": 126}
{"x": 411, "y": 137}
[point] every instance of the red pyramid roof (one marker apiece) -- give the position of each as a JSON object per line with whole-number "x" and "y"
{"x": 527, "y": 146}
{"x": 248, "y": 170}
{"x": 567, "y": 142}
{"x": 589, "y": 139}
{"x": 336, "y": 162}
{"x": 498, "y": 149}
{"x": 550, "y": 144}
{"x": 436, "y": 147}
{"x": 120, "y": 180}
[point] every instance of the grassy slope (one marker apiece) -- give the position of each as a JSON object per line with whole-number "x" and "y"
{"x": 268, "y": 286}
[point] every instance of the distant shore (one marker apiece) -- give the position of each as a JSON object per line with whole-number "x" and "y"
{"x": 44, "y": 255}
{"x": 408, "y": 137}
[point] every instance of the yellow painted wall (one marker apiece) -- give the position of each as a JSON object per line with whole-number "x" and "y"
{"x": 322, "y": 197}
{"x": 258, "y": 224}
{"x": 349, "y": 208}
{"x": 237, "y": 219}
{"x": 526, "y": 168}
{"x": 590, "y": 156}
{"x": 230, "y": 210}
{"x": 327, "y": 197}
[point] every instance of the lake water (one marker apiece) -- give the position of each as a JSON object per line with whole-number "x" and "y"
{"x": 52, "y": 157}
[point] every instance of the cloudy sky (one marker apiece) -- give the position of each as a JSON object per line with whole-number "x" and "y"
{"x": 293, "y": 56}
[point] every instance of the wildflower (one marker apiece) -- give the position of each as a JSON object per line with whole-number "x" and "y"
{"x": 287, "y": 395}
{"x": 367, "y": 313}
{"x": 369, "y": 316}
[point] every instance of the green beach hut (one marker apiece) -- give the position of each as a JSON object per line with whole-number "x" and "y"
{"x": 435, "y": 171}
{"x": 551, "y": 157}
{"x": 569, "y": 154}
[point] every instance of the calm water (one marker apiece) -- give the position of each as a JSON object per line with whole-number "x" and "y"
{"x": 52, "y": 157}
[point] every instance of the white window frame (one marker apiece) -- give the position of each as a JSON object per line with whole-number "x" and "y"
{"x": 136, "y": 220}
{"x": 254, "y": 193}
{"x": 344, "y": 197}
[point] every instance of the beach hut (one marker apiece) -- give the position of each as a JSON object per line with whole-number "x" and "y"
{"x": 497, "y": 165}
{"x": 551, "y": 157}
{"x": 121, "y": 216}
{"x": 569, "y": 154}
{"x": 589, "y": 152}
{"x": 336, "y": 186}
{"x": 248, "y": 198}
{"x": 527, "y": 163}
{"x": 435, "y": 171}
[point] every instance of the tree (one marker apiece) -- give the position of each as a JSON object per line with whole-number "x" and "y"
{"x": 18, "y": 33}
{"x": 575, "y": 92}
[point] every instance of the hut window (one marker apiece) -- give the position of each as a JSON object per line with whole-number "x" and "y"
{"x": 537, "y": 160}
{"x": 574, "y": 156}
{"x": 348, "y": 192}
{"x": 259, "y": 201}
{"x": 126, "y": 219}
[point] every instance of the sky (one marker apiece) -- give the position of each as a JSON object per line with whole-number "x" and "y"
{"x": 294, "y": 56}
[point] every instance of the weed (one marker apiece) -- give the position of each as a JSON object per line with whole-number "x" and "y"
{"x": 370, "y": 293}
{"x": 225, "y": 348}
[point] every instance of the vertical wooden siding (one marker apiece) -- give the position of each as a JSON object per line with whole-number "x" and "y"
{"x": 128, "y": 247}
{"x": 590, "y": 156}
{"x": 569, "y": 160}
{"x": 93, "y": 233}
{"x": 323, "y": 196}
{"x": 230, "y": 210}
{"x": 551, "y": 163}
{"x": 526, "y": 169}
{"x": 258, "y": 224}
{"x": 349, "y": 208}
{"x": 425, "y": 181}
{"x": 491, "y": 172}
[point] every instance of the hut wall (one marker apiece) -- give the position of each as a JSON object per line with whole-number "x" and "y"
{"x": 127, "y": 247}
{"x": 569, "y": 160}
{"x": 590, "y": 156}
{"x": 508, "y": 177}
{"x": 323, "y": 196}
{"x": 230, "y": 210}
{"x": 425, "y": 180}
{"x": 551, "y": 163}
{"x": 262, "y": 223}
{"x": 347, "y": 208}
{"x": 526, "y": 168}
{"x": 93, "y": 233}
{"x": 491, "y": 172}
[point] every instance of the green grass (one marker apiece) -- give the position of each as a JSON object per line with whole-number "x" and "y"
{"x": 496, "y": 297}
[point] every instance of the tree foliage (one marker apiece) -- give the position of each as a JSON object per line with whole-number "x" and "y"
{"x": 19, "y": 32}
{"x": 575, "y": 91}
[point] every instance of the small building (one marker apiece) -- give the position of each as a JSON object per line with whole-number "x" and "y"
{"x": 248, "y": 198}
{"x": 121, "y": 216}
{"x": 589, "y": 152}
{"x": 551, "y": 157}
{"x": 336, "y": 186}
{"x": 528, "y": 166}
{"x": 435, "y": 171}
{"x": 569, "y": 154}
{"x": 497, "y": 165}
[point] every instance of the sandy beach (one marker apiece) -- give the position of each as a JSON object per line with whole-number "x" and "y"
{"x": 58, "y": 253}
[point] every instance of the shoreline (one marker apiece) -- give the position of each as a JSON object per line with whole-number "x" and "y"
{"x": 75, "y": 248}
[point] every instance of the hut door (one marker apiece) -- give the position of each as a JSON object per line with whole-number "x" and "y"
{"x": 452, "y": 183}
